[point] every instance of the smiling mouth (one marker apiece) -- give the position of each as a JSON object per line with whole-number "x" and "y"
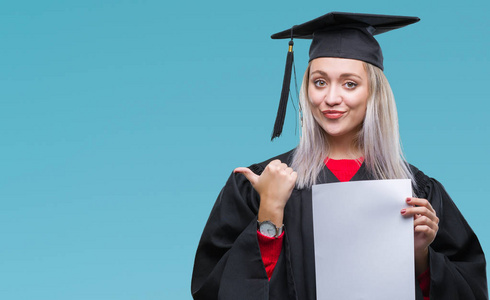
{"x": 333, "y": 114}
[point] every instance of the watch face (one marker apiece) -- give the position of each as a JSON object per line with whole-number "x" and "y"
{"x": 267, "y": 228}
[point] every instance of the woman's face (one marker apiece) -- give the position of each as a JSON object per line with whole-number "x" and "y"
{"x": 338, "y": 91}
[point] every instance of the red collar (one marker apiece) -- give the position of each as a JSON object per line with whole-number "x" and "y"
{"x": 343, "y": 169}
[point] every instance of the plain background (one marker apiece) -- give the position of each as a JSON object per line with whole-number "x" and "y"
{"x": 120, "y": 121}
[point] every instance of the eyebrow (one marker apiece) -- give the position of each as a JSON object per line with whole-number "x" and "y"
{"x": 344, "y": 75}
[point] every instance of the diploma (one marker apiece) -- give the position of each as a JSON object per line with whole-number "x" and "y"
{"x": 363, "y": 245}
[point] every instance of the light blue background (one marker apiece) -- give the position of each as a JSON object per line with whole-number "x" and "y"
{"x": 121, "y": 120}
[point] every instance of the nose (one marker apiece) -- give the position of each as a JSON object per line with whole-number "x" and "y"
{"x": 333, "y": 96}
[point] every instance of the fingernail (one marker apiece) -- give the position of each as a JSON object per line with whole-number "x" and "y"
{"x": 409, "y": 200}
{"x": 403, "y": 211}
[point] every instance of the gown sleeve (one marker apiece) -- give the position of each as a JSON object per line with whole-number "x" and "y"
{"x": 228, "y": 263}
{"x": 456, "y": 259}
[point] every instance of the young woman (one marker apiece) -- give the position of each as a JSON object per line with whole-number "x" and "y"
{"x": 258, "y": 241}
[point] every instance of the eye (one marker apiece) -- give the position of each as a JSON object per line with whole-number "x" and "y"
{"x": 350, "y": 85}
{"x": 320, "y": 83}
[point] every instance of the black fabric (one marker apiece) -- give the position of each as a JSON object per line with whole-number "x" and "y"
{"x": 354, "y": 43}
{"x": 346, "y": 35}
{"x": 228, "y": 263}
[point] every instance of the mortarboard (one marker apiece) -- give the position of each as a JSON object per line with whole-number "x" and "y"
{"x": 337, "y": 34}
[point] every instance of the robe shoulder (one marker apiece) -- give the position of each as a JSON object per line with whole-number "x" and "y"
{"x": 228, "y": 263}
{"x": 456, "y": 259}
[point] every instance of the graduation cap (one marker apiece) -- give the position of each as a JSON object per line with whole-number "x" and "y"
{"x": 337, "y": 34}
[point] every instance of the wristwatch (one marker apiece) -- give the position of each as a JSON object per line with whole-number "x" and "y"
{"x": 269, "y": 229}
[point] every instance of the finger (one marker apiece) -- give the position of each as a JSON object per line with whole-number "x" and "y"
{"x": 426, "y": 230}
{"x": 251, "y": 176}
{"x": 275, "y": 162}
{"x": 289, "y": 170}
{"x": 420, "y": 202}
{"x": 425, "y": 221}
{"x": 434, "y": 219}
{"x": 273, "y": 166}
{"x": 419, "y": 210}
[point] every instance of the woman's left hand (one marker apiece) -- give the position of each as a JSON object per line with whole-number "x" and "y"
{"x": 425, "y": 230}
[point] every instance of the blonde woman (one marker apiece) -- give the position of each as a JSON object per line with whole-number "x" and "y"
{"x": 258, "y": 241}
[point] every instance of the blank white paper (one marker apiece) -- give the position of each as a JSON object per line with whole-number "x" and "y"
{"x": 363, "y": 245}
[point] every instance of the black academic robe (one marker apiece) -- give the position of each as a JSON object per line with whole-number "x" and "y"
{"x": 228, "y": 263}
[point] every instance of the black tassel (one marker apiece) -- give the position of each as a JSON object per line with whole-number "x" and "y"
{"x": 283, "y": 102}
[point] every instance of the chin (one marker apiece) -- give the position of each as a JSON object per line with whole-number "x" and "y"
{"x": 334, "y": 133}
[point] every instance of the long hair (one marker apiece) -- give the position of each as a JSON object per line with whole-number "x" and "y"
{"x": 378, "y": 138}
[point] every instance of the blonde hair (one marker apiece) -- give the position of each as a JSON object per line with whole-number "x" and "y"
{"x": 378, "y": 138}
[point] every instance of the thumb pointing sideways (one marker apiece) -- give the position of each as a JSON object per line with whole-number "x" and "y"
{"x": 251, "y": 176}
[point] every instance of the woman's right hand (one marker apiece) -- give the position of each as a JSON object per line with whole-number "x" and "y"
{"x": 274, "y": 186}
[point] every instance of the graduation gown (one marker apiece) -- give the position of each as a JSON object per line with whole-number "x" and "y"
{"x": 228, "y": 263}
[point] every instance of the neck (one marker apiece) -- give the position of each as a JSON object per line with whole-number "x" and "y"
{"x": 343, "y": 147}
